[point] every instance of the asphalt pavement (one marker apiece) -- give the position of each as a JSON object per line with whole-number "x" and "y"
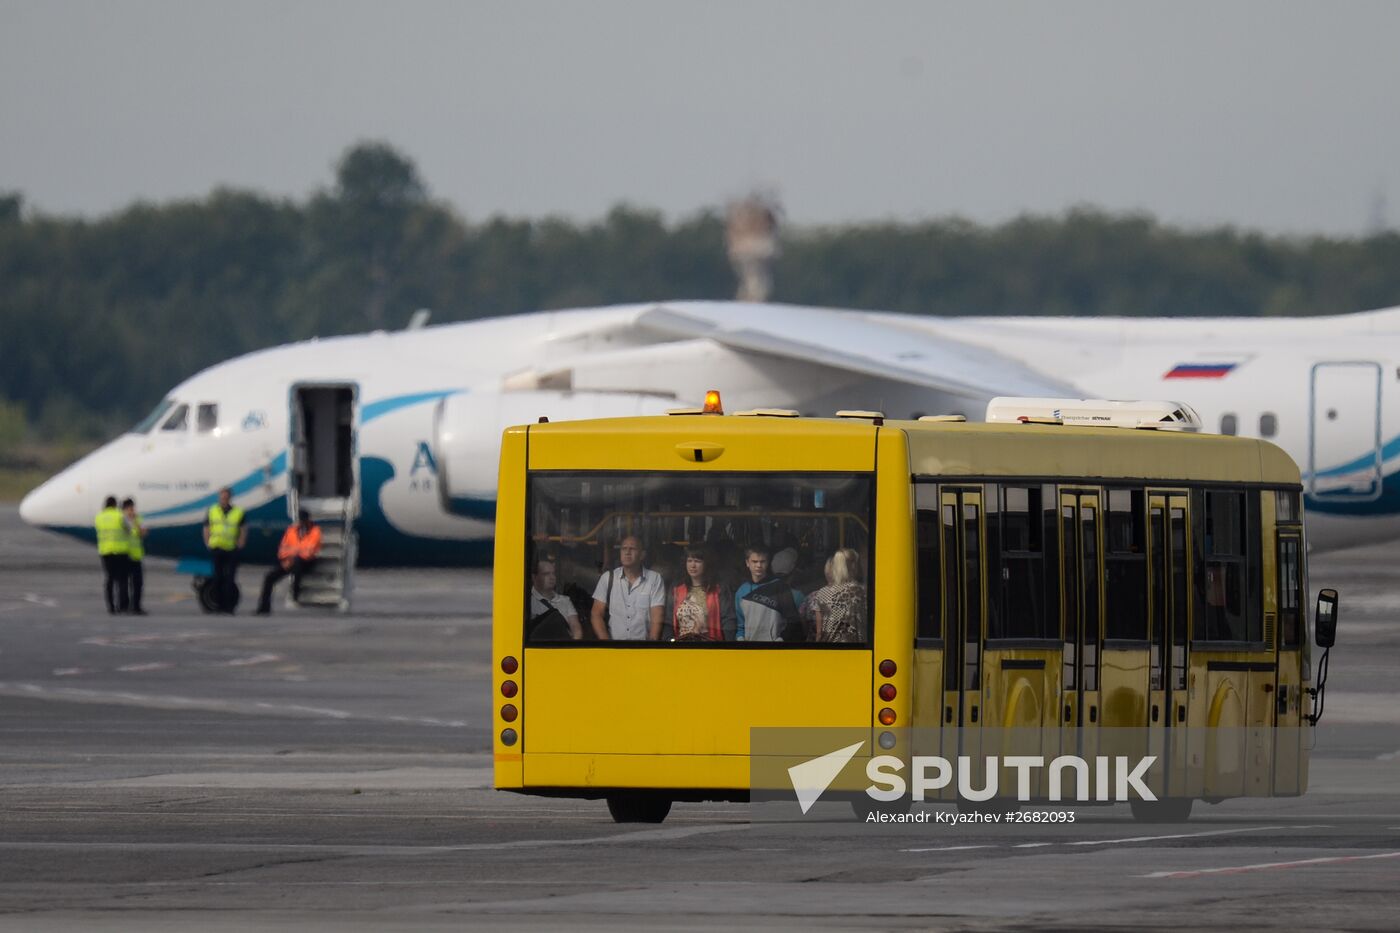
{"x": 181, "y": 771}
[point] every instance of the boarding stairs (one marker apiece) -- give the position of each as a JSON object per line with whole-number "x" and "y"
{"x": 330, "y": 583}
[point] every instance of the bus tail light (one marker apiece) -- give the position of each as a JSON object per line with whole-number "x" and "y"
{"x": 509, "y": 665}
{"x": 887, "y": 717}
{"x": 887, "y": 668}
{"x": 509, "y": 689}
{"x": 509, "y": 737}
{"x": 509, "y": 712}
{"x": 887, "y": 692}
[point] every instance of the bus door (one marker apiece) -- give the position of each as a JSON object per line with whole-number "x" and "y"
{"x": 927, "y": 711}
{"x": 1170, "y": 591}
{"x": 1288, "y": 690}
{"x": 1083, "y": 624}
{"x": 963, "y": 614}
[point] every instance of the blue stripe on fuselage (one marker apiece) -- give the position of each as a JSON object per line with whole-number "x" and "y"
{"x": 278, "y": 466}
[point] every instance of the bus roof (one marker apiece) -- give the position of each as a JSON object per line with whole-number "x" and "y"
{"x": 738, "y": 444}
{"x": 1070, "y": 450}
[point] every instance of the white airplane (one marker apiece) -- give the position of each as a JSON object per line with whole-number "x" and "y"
{"x": 397, "y": 433}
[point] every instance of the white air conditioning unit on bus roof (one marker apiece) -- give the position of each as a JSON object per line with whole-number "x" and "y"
{"x": 1095, "y": 412}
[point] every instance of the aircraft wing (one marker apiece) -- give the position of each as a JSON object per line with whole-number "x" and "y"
{"x": 856, "y": 343}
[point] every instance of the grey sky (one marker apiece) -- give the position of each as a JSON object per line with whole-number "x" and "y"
{"x": 1273, "y": 115}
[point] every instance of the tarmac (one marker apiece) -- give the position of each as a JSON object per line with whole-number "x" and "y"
{"x": 182, "y": 771}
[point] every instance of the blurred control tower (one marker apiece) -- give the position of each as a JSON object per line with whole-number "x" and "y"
{"x": 751, "y": 234}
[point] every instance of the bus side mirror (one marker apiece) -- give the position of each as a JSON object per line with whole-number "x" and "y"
{"x": 1325, "y": 618}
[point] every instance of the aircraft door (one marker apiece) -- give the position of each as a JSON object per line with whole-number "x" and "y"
{"x": 323, "y": 463}
{"x": 1344, "y": 444}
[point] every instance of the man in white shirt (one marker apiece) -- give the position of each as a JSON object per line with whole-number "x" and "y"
{"x": 632, "y": 598}
{"x": 543, "y": 598}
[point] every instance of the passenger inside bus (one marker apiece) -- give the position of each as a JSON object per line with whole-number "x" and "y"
{"x": 700, "y": 609}
{"x": 836, "y": 612}
{"x": 552, "y": 616}
{"x": 718, "y": 559}
{"x": 767, "y": 606}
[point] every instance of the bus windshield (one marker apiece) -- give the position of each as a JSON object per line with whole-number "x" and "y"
{"x": 699, "y": 559}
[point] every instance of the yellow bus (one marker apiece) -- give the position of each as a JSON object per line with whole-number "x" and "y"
{"x": 921, "y": 583}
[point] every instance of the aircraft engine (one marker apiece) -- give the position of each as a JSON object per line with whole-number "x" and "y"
{"x": 467, "y": 431}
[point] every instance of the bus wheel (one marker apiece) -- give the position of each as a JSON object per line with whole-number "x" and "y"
{"x": 638, "y": 808}
{"x": 1170, "y": 810}
{"x": 869, "y": 810}
{"x": 987, "y": 807}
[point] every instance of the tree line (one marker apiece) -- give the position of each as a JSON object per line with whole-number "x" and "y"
{"x": 99, "y": 317}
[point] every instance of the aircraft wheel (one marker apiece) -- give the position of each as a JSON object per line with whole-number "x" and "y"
{"x": 208, "y": 597}
{"x": 204, "y": 590}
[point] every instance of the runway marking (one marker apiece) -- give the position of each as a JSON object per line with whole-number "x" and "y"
{"x": 31, "y": 599}
{"x": 645, "y": 835}
{"x": 161, "y": 701}
{"x": 147, "y": 666}
{"x": 950, "y": 848}
{"x": 1266, "y": 866}
{"x": 255, "y": 659}
{"x": 71, "y": 671}
{"x": 1125, "y": 839}
{"x": 143, "y": 639}
{"x": 1213, "y": 832}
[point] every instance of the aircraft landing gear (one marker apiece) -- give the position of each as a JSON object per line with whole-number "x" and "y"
{"x": 208, "y": 599}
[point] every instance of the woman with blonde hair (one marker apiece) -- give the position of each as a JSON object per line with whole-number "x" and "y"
{"x": 837, "y": 610}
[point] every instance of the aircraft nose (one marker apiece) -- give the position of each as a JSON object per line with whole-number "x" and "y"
{"x": 57, "y": 503}
{"x": 32, "y": 507}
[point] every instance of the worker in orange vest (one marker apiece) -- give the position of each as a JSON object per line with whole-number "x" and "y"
{"x": 295, "y": 555}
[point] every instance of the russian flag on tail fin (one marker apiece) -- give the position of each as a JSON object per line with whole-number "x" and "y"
{"x": 1200, "y": 370}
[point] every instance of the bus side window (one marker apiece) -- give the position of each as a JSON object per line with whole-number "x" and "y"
{"x": 1125, "y": 566}
{"x": 1022, "y": 562}
{"x": 930, "y": 621}
{"x": 1221, "y": 587}
{"x": 1288, "y": 589}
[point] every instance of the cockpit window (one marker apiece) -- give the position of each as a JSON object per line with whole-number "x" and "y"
{"x": 154, "y": 417}
{"x": 179, "y": 420}
{"x": 208, "y": 417}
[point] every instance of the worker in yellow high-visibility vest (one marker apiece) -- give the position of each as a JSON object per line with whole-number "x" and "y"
{"x": 113, "y": 545}
{"x": 135, "y": 553}
{"x": 225, "y": 535}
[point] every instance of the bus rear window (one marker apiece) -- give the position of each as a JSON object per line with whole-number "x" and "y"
{"x": 687, "y": 559}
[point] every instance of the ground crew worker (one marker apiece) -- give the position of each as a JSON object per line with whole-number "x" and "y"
{"x": 225, "y": 535}
{"x": 136, "y": 550}
{"x": 295, "y": 555}
{"x": 113, "y": 542}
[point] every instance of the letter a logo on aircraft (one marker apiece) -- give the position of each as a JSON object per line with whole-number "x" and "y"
{"x": 811, "y": 778}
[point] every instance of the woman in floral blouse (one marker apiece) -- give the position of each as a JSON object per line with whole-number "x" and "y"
{"x": 700, "y": 611}
{"x": 837, "y": 610}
